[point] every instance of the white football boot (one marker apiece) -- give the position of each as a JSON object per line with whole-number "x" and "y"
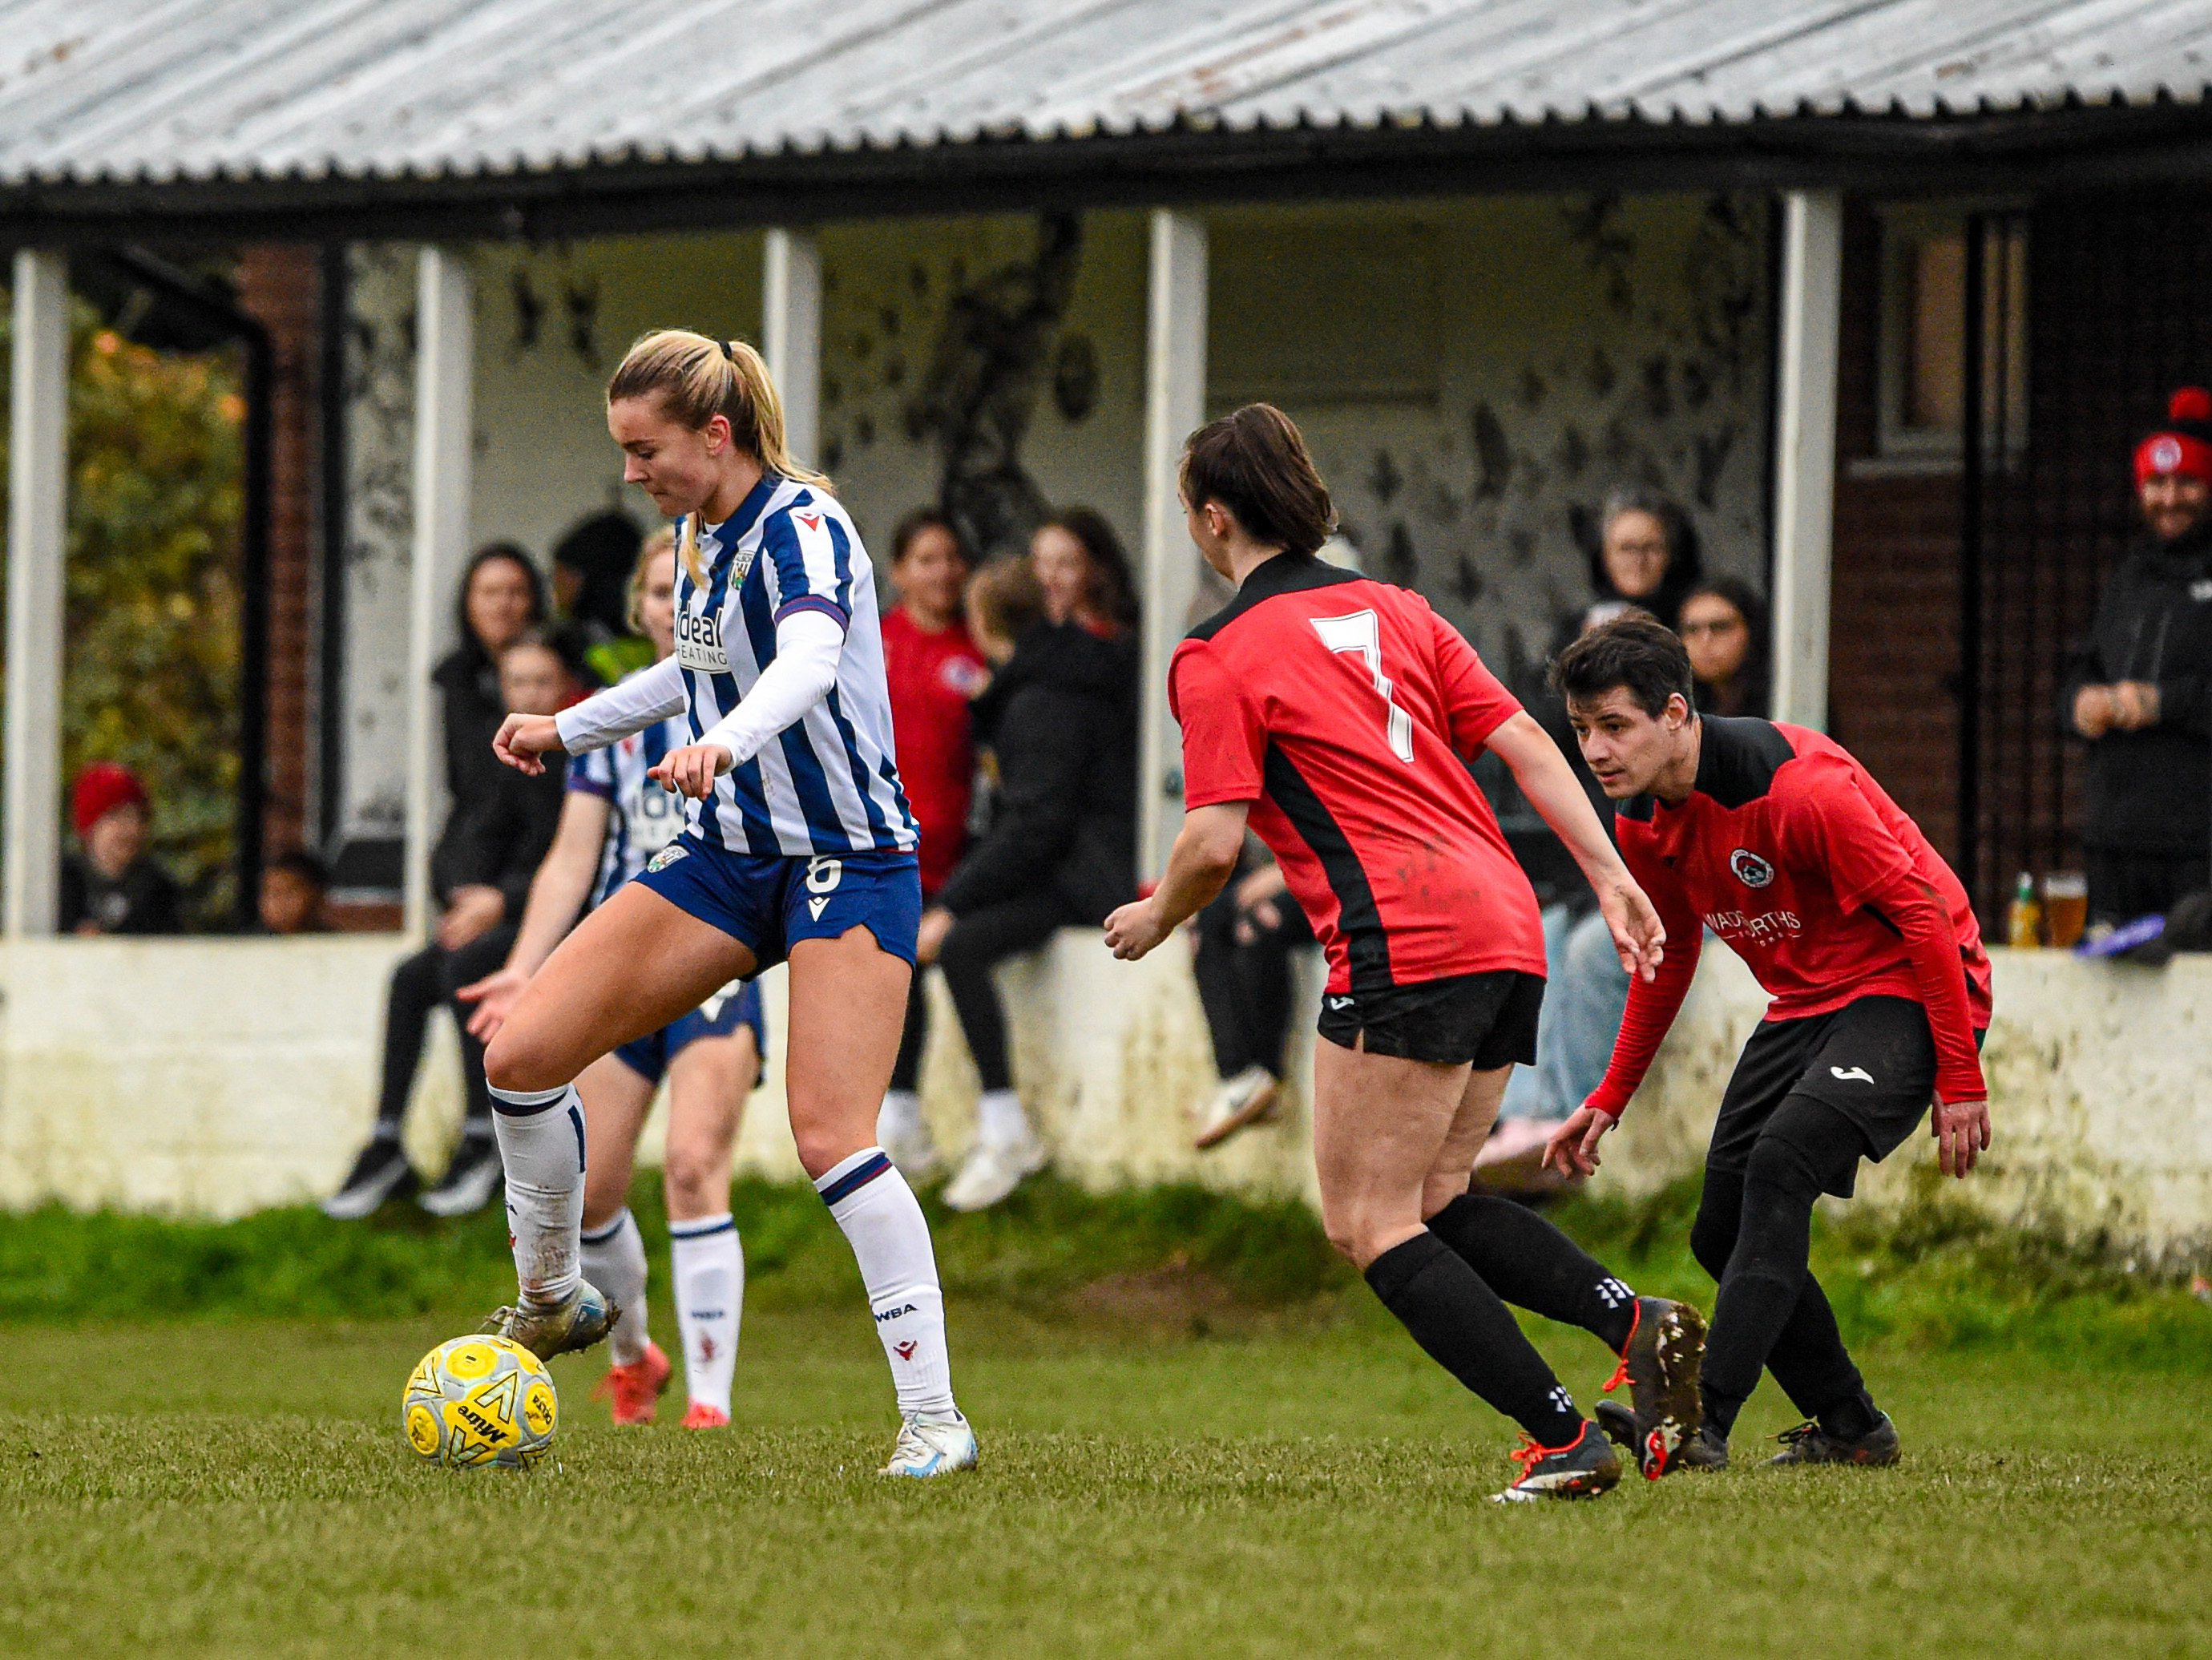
{"x": 993, "y": 1170}
{"x": 1244, "y": 1099}
{"x": 931, "y": 1443}
{"x": 909, "y": 1142}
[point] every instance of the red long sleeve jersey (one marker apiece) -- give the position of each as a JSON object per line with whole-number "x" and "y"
{"x": 1346, "y": 711}
{"x": 1789, "y": 851}
{"x": 931, "y": 678}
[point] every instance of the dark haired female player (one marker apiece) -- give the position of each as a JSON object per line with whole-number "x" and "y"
{"x": 1338, "y": 714}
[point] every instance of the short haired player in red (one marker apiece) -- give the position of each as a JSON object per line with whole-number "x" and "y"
{"x": 1775, "y": 839}
{"x": 1338, "y": 716}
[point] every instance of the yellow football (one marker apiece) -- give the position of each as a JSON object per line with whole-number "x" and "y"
{"x": 479, "y": 1402}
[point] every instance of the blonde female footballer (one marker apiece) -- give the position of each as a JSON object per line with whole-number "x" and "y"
{"x": 799, "y": 847}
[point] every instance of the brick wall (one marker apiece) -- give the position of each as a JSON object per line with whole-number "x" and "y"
{"x": 280, "y": 286}
{"x": 1893, "y": 652}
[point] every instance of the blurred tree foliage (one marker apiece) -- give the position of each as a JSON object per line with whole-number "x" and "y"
{"x": 151, "y": 662}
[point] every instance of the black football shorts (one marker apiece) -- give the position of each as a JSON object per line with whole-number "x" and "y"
{"x": 1488, "y": 1019}
{"x": 1872, "y": 1060}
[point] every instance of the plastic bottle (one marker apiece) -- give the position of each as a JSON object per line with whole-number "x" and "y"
{"x": 2024, "y": 928}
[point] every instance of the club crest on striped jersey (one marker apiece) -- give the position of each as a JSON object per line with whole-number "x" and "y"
{"x": 699, "y": 641}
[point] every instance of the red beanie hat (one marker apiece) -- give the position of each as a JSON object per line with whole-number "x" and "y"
{"x": 2184, "y": 445}
{"x": 101, "y": 788}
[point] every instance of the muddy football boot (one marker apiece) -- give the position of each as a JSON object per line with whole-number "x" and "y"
{"x": 1704, "y": 1450}
{"x": 1659, "y": 1363}
{"x": 1583, "y": 1468}
{"x": 1808, "y": 1443}
{"x": 582, "y": 1321}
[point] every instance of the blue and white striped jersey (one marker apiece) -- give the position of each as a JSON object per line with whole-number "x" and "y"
{"x": 645, "y": 817}
{"x": 827, "y": 783}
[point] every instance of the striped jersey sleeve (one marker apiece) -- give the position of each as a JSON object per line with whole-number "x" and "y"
{"x": 810, "y": 558}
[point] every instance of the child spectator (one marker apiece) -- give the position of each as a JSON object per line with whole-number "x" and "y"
{"x": 292, "y": 888}
{"x": 2139, "y": 688}
{"x": 113, "y": 884}
{"x": 934, "y": 667}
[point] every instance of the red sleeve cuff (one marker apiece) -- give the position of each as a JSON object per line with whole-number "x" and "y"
{"x": 1609, "y": 1099}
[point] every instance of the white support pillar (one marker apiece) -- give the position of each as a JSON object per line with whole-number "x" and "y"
{"x": 445, "y": 428}
{"x": 37, "y": 501}
{"x": 1805, "y": 451}
{"x": 1175, "y": 403}
{"x": 791, "y": 336}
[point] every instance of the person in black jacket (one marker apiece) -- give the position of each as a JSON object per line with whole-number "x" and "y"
{"x": 501, "y": 598}
{"x": 481, "y": 872}
{"x": 1059, "y": 720}
{"x": 2139, "y": 688}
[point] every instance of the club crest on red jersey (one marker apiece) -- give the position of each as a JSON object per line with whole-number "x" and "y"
{"x": 1750, "y": 869}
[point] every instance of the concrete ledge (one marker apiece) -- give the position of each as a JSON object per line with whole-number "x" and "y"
{"x": 217, "y": 1076}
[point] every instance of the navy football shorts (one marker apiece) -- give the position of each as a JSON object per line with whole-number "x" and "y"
{"x": 769, "y": 902}
{"x": 729, "y": 1012}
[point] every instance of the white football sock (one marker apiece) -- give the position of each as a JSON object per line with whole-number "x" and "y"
{"x": 1000, "y": 1120}
{"x": 901, "y": 1115}
{"x": 614, "y": 1261}
{"x": 710, "y": 1301}
{"x": 890, "y": 1237}
{"x": 541, "y": 1142}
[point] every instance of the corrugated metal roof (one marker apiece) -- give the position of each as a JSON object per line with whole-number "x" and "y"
{"x": 169, "y": 89}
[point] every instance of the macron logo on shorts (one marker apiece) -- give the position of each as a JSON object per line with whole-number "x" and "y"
{"x": 1852, "y": 1076}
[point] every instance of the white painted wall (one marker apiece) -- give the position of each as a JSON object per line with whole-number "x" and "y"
{"x": 214, "y": 1077}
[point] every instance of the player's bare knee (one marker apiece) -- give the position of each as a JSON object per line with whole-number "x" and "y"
{"x": 1353, "y": 1231}
{"x": 513, "y": 1062}
{"x": 822, "y": 1145}
{"x": 691, "y": 1171}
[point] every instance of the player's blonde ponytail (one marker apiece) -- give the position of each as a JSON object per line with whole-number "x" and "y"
{"x": 696, "y": 378}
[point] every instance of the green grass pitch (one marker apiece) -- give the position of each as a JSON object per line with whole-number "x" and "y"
{"x": 1299, "y": 1486}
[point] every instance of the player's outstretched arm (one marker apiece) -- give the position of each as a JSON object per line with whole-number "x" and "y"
{"x": 1550, "y": 785}
{"x": 1204, "y": 859}
{"x": 557, "y": 893}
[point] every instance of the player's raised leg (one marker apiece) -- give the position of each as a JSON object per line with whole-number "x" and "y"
{"x": 573, "y": 1012}
{"x": 1382, "y": 1125}
{"x": 848, "y": 1004}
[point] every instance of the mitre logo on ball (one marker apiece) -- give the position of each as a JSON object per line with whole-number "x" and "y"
{"x": 1750, "y": 869}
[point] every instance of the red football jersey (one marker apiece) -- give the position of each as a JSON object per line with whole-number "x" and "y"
{"x": 931, "y": 677}
{"x": 1346, "y": 711}
{"x": 1789, "y": 851}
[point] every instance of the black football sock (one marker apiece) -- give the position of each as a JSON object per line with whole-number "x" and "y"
{"x": 1531, "y": 1264}
{"x": 1465, "y": 1328}
{"x": 1852, "y": 1419}
{"x": 1766, "y": 1274}
{"x": 1721, "y": 1410}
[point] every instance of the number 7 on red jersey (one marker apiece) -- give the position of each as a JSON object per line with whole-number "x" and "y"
{"x": 1362, "y": 632}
